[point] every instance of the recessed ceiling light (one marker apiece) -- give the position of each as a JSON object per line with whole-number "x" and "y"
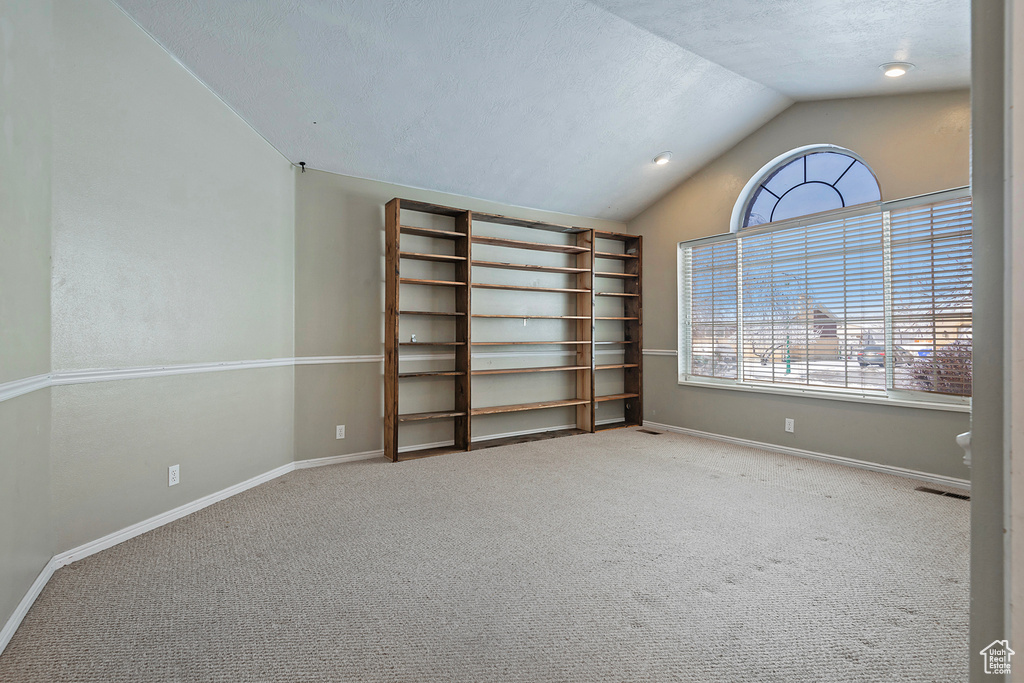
{"x": 896, "y": 69}
{"x": 663, "y": 158}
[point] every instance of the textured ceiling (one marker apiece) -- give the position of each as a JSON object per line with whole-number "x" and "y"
{"x": 819, "y": 49}
{"x": 552, "y": 104}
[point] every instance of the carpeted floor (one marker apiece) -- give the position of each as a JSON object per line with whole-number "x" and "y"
{"x": 620, "y": 556}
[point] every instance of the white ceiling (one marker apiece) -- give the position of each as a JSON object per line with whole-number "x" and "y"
{"x": 551, "y": 104}
{"x": 818, "y": 49}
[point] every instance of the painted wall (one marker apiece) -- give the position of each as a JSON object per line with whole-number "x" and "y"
{"x": 339, "y": 304}
{"x": 915, "y": 144}
{"x": 173, "y": 229}
{"x": 26, "y": 532}
{"x": 990, "y": 594}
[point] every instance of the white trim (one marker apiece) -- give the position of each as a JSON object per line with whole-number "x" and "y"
{"x": 110, "y": 540}
{"x": 334, "y": 360}
{"x": 813, "y": 455}
{"x": 112, "y": 374}
{"x": 20, "y": 387}
{"x": 660, "y": 352}
{"x": 86, "y": 549}
{"x": 337, "y": 459}
{"x": 731, "y": 385}
{"x": 7, "y": 632}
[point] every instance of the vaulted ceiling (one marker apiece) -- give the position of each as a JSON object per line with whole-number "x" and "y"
{"x": 551, "y": 104}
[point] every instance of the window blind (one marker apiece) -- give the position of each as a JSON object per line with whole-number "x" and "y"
{"x": 931, "y": 259}
{"x": 713, "y": 303}
{"x": 812, "y": 296}
{"x": 870, "y": 303}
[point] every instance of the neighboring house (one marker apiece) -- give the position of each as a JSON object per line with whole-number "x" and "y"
{"x": 810, "y": 332}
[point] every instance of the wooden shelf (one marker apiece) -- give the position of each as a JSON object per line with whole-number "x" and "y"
{"x": 458, "y": 230}
{"x": 427, "y": 207}
{"x": 436, "y": 415}
{"x": 439, "y": 313}
{"x": 564, "y": 290}
{"x": 614, "y": 397}
{"x": 619, "y": 236}
{"x": 574, "y": 273}
{"x": 520, "y": 371}
{"x": 528, "y": 266}
{"x": 615, "y": 255}
{"x": 532, "y": 317}
{"x": 451, "y": 343}
{"x": 615, "y": 425}
{"x": 535, "y": 246}
{"x": 527, "y": 343}
{"x": 421, "y": 453}
{"x": 526, "y": 438}
{"x": 438, "y": 373}
{"x": 432, "y": 232}
{"x": 524, "y": 223}
{"x": 435, "y": 283}
{"x": 440, "y": 258}
{"x": 493, "y": 410}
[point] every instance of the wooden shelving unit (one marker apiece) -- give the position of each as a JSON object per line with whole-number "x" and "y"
{"x": 459, "y": 375}
{"x": 618, "y": 276}
{"x": 585, "y": 275}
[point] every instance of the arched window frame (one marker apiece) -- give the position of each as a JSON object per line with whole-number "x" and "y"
{"x": 739, "y": 210}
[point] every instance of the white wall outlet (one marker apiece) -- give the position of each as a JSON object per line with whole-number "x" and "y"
{"x": 790, "y": 424}
{"x": 339, "y": 432}
{"x": 412, "y": 338}
{"x": 172, "y": 475}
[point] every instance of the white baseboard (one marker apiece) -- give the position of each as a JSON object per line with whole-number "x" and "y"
{"x": 813, "y": 455}
{"x": 92, "y": 547}
{"x": 337, "y": 459}
{"x": 7, "y": 632}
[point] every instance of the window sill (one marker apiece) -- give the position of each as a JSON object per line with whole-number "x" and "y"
{"x": 832, "y": 396}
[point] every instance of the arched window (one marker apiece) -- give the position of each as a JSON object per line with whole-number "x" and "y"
{"x": 805, "y": 181}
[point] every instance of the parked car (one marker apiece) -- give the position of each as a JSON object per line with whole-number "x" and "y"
{"x": 875, "y": 355}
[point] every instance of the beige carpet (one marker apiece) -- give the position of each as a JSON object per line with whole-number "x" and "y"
{"x": 620, "y": 556}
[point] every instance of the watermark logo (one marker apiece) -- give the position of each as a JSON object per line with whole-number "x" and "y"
{"x": 997, "y": 657}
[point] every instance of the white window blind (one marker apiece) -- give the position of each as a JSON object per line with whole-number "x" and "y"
{"x": 931, "y": 298}
{"x": 811, "y": 297}
{"x": 713, "y": 311}
{"x": 872, "y": 304}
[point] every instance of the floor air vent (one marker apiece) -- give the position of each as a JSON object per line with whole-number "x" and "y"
{"x": 648, "y": 431}
{"x": 937, "y": 492}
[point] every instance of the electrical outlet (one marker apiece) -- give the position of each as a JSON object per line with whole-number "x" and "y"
{"x": 790, "y": 424}
{"x": 339, "y": 432}
{"x": 172, "y": 475}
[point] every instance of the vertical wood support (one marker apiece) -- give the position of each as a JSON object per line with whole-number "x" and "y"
{"x": 634, "y": 332}
{"x": 392, "y": 221}
{"x": 463, "y": 326}
{"x": 585, "y": 332}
